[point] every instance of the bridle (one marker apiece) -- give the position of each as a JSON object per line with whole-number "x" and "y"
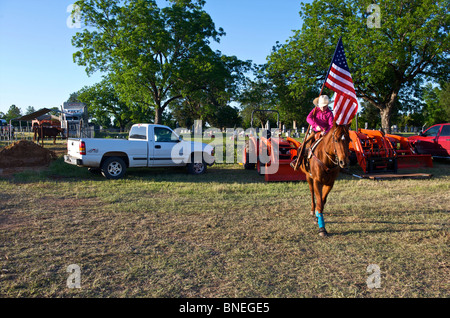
{"x": 335, "y": 161}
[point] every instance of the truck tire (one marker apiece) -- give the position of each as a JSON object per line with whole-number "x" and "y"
{"x": 197, "y": 167}
{"x": 114, "y": 168}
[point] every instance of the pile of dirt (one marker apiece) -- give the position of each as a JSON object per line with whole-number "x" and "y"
{"x": 24, "y": 153}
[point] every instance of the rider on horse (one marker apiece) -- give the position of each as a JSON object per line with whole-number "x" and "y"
{"x": 321, "y": 117}
{"x": 326, "y": 155}
{"x": 321, "y": 120}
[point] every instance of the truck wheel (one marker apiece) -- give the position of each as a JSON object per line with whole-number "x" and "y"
{"x": 114, "y": 168}
{"x": 196, "y": 167}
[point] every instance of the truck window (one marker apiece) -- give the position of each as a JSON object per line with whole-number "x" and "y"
{"x": 445, "y": 132}
{"x": 138, "y": 132}
{"x": 432, "y": 132}
{"x": 165, "y": 135}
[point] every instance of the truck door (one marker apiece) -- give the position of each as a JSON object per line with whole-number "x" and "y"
{"x": 444, "y": 141}
{"x": 427, "y": 143}
{"x": 164, "y": 141}
{"x": 138, "y": 146}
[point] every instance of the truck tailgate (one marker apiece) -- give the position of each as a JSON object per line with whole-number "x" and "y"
{"x": 73, "y": 148}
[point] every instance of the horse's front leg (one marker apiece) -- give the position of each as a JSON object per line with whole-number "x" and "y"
{"x": 311, "y": 189}
{"x": 325, "y": 191}
{"x": 320, "y": 202}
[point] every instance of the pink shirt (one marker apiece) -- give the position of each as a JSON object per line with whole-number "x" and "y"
{"x": 323, "y": 119}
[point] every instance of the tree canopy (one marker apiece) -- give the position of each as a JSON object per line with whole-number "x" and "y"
{"x": 154, "y": 56}
{"x": 13, "y": 112}
{"x": 389, "y": 62}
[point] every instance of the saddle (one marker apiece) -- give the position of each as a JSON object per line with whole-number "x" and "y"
{"x": 310, "y": 150}
{"x": 310, "y": 144}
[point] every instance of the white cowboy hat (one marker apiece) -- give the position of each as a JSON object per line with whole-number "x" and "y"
{"x": 322, "y": 101}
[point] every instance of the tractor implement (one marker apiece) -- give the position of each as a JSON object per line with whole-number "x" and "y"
{"x": 406, "y": 156}
{"x": 271, "y": 155}
{"x": 283, "y": 150}
{"x": 376, "y": 152}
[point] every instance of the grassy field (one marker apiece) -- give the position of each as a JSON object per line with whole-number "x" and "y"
{"x": 164, "y": 233}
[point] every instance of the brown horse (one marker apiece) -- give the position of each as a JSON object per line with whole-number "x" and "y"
{"x": 321, "y": 165}
{"x": 46, "y": 132}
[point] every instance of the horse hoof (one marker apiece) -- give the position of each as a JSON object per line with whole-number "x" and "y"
{"x": 323, "y": 233}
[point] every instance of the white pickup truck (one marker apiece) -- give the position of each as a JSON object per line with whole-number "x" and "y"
{"x": 148, "y": 145}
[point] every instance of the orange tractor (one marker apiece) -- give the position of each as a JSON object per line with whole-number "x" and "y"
{"x": 271, "y": 155}
{"x": 377, "y": 152}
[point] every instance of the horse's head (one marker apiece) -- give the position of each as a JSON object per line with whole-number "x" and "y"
{"x": 341, "y": 141}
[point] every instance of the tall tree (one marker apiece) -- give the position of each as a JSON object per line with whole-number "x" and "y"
{"x": 104, "y": 104}
{"x": 388, "y": 62}
{"x": 437, "y": 104}
{"x": 13, "y": 112}
{"x": 257, "y": 95}
{"x": 29, "y": 110}
{"x": 211, "y": 104}
{"x": 153, "y": 55}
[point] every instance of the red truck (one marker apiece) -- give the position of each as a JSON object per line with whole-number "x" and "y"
{"x": 435, "y": 141}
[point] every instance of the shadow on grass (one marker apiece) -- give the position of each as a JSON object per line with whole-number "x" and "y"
{"x": 440, "y": 169}
{"x": 394, "y": 226}
{"x": 59, "y": 171}
{"x": 223, "y": 173}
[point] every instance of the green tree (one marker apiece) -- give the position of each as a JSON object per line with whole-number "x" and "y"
{"x": 257, "y": 94}
{"x": 369, "y": 114}
{"x": 104, "y": 104}
{"x": 211, "y": 104}
{"x": 13, "y": 112}
{"x": 29, "y": 110}
{"x": 437, "y": 108}
{"x": 154, "y": 56}
{"x": 73, "y": 98}
{"x": 388, "y": 63}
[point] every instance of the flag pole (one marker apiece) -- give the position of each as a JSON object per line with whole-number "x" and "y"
{"x": 300, "y": 150}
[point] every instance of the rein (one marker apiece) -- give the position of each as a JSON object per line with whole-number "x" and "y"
{"x": 335, "y": 162}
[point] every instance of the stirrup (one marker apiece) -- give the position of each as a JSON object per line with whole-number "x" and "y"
{"x": 293, "y": 162}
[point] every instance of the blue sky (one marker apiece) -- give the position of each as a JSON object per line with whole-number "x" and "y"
{"x": 36, "y": 65}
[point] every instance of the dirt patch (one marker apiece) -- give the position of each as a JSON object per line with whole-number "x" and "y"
{"x": 24, "y": 154}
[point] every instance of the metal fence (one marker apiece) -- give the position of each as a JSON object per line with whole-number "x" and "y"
{"x": 17, "y": 133}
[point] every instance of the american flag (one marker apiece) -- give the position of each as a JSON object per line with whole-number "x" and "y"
{"x": 340, "y": 81}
